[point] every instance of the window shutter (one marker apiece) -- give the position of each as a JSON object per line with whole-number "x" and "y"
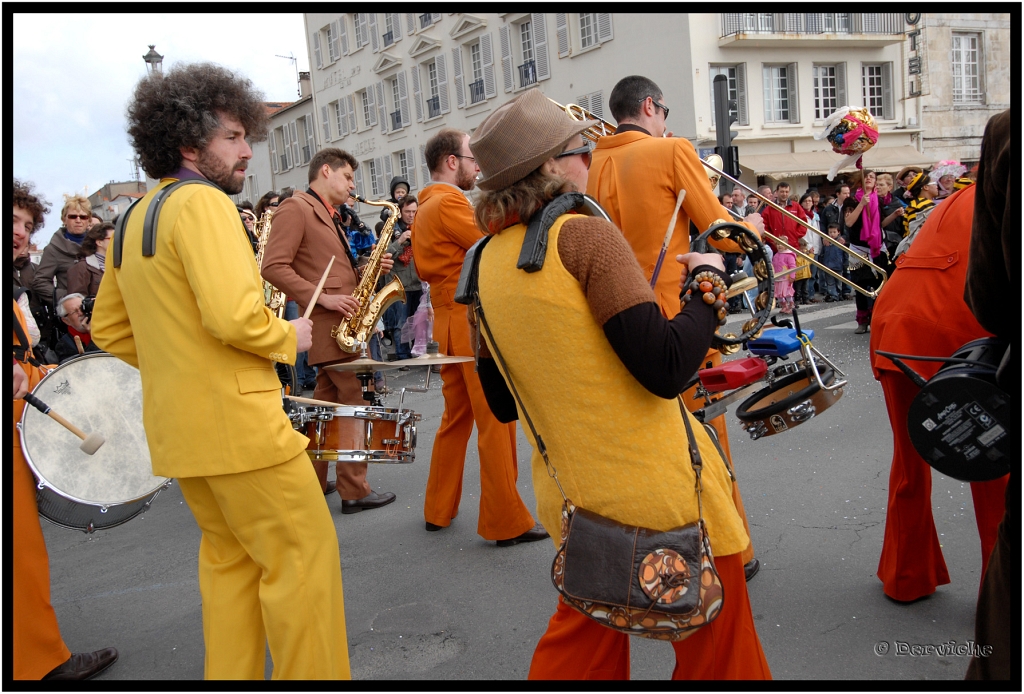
{"x": 396, "y": 26}
{"x": 794, "y": 95}
{"x": 888, "y": 111}
{"x": 793, "y": 22}
{"x": 425, "y": 170}
{"x": 604, "y": 27}
{"x": 343, "y": 34}
{"x": 562, "y": 33}
{"x": 460, "y": 87}
{"x": 596, "y": 104}
{"x": 293, "y": 130}
{"x": 386, "y": 173}
{"x": 382, "y": 108}
{"x": 374, "y": 38}
{"x": 410, "y": 165}
{"x": 506, "y": 57}
{"x": 540, "y": 45}
{"x": 442, "y": 83}
{"x": 410, "y": 23}
{"x": 310, "y": 139}
{"x": 352, "y": 114}
{"x": 416, "y": 92}
{"x": 841, "y": 85}
{"x": 371, "y": 99}
{"x": 342, "y": 116}
{"x": 487, "y": 63}
{"x": 273, "y": 150}
{"x": 327, "y": 123}
{"x": 316, "y": 50}
{"x": 435, "y": 17}
{"x": 583, "y": 101}
{"x": 815, "y": 24}
{"x": 741, "y": 94}
{"x": 335, "y": 43}
{"x": 360, "y": 188}
{"x": 403, "y": 97}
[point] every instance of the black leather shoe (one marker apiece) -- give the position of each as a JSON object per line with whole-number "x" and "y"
{"x": 751, "y": 568}
{"x": 370, "y": 501}
{"x": 83, "y": 666}
{"x": 535, "y": 533}
{"x": 331, "y": 488}
{"x": 431, "y": 528}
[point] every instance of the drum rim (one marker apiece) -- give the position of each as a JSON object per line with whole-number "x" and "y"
{"x": 41, "y": 479}
{"x": 390, "y": 413}
{"x": 745, "y": 415}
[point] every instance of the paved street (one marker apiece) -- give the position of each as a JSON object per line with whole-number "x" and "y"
{"x": 448, "y": 605}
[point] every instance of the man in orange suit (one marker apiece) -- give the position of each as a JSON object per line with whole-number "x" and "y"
{"x": 636, "y": 174}
{"x": 445, "y": 230}
{"x": 922, "y": 312}
{"x": 305, "y": 232}
{"x": 39, "y": 650}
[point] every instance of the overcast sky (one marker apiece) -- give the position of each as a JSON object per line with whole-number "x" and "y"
{"x": 74, "y": 74}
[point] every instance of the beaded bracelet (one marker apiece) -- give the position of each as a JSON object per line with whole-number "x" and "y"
{"x": 712, "y": 289}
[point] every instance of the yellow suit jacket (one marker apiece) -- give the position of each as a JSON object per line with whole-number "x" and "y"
{"x": 192, "y": 319}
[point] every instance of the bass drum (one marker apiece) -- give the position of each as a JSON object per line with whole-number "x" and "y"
{"x": 102, "y": 394}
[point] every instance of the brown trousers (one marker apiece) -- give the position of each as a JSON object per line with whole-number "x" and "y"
{"x": 344, "y": 388}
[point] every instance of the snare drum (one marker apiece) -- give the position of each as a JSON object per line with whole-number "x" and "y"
{"x": 358, "y": 433}
{"x": 102, "y": 394}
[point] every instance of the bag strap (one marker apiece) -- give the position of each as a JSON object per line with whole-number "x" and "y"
{"x": 22, "y": 351}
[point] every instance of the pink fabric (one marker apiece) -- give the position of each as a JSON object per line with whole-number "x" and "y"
{"x": 782, "y": 261}
{"x": 871, "y": 223}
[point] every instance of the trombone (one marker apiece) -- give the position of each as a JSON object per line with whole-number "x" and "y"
{"x": 603, "y": 127}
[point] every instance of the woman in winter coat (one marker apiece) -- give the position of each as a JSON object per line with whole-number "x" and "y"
{"x": 85, "y": 275}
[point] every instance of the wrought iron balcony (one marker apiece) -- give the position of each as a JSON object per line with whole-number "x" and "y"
{"x": 527, "y": 73}
{"x": 735, "y": 23}
{"x": 476, "y": 91}
{"x": 389, "y": 38}
{"x": 396, "y": 120}
{"x": 433, "y": 107}
{"x": 425, "y": 20}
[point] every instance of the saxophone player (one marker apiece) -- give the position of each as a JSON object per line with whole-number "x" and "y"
{"x": 306, "y": 231}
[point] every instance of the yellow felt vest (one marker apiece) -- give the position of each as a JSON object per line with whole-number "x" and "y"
{"x": 619, "y": 450}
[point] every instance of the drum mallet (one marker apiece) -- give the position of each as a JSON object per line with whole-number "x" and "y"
{"x": 90, "y": 442}
{"x": 319, "y": 288}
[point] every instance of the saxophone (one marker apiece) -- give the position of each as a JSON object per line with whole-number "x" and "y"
{"x": 273, "y": 298}
{"x": 354, "y": 331}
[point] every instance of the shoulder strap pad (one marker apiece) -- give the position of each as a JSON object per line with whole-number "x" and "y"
{"x": 466, "y": 289}
{"x": 153, "y": 213}
{"x": 122, "y": 224}
{"x": 535, "y": 243}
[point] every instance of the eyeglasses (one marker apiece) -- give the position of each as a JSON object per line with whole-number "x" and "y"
{"x": 463, "y": 156}
{"x": 663, "y": 107}
{"x": 583, "y": 151}
{"x": 273, "y": 204}
{"x": 79, "y": 216}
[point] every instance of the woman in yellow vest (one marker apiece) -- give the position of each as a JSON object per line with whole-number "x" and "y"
{"x": 589, "y": 321}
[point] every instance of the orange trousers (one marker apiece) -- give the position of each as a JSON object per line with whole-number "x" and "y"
{"x": 38, "y": 646}
{"x": 576, "y": 647}
{"x": 503, "y": 515}
{"x": 911, "y": 565}
{"x": 723, "y": 439}
{"x": 343, "y": 387}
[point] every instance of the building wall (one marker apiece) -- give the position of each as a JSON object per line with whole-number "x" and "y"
{"x": 954, "y": 130}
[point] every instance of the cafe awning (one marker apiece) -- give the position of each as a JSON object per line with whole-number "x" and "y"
{"x": 791, "y": 164}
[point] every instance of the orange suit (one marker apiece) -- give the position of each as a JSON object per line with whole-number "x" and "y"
{"x": 921, "y": 311}
{"x": 38, "y": 646}
{"x": 444, "y": 232}
{"x": 636, "y": 178}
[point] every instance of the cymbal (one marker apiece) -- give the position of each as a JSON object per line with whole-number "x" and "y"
{"x": 431, "y": 360}
{"x": 363, "y": 365}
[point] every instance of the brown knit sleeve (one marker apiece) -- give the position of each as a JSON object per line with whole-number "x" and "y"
{"x": 596, "y": 253}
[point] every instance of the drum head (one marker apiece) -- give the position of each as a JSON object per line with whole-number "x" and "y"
{"x": 101, "y": 394}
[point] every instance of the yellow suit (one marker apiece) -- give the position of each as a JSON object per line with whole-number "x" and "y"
{"x": 193, "y": 320}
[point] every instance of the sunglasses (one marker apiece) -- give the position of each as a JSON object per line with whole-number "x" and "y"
{"x": 274, "y": 204}
{"x": 663, "y": 107}
{"x": 79, "y": 216}
{"x": 583, "y": 151}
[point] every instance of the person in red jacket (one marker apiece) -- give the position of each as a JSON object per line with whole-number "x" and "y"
{"x": 780, "y": 225}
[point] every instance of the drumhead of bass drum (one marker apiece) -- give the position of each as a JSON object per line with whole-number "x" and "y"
{"x": 101, "y": 394}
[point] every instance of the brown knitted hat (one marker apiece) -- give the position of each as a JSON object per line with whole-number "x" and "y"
{"x": 519, "y": 137}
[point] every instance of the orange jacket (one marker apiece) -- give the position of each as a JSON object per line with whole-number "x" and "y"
{"x": 636, "y": 179}
{"x": 445, "y": 229}
{"x": 921, "y": 309}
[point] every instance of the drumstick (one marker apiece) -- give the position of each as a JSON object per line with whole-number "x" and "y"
{"x": 311, "y": 401}
{"x": 78, "y": 343}
{"x": 90, "y": 443}
{"x": 668, "y": 237}
{"x": 319, "y": 287}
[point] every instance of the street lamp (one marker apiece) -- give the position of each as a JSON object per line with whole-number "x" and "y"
{"x": 154, "y": 61}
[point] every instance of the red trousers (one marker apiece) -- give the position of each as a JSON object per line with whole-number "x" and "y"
{"x": 911, "y": 565}
{"x": 343, "y": 387}
{"x": 576, "y": 647}
{"x": 503, "y": 515}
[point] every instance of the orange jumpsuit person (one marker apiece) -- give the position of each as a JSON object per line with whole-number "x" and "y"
{"x": 445, "y": 230}
{"x": 922, "y": 312}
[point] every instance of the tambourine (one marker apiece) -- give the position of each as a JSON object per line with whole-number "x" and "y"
{"x": 788, "y": 402}
{"x": 752, "y": 246}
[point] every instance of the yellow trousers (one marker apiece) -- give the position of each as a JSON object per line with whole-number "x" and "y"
{"x": 269, "y": 572}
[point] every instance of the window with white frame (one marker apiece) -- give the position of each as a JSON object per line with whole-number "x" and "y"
{"x": 876, "y": 89}
{"x": 588, "y": 29}
{"x": 757, "y": 21}
{"x": 434, "y": 100}
{"x": 735, "y": 76}
{"x": 776, "y": 94}
{"x": 389, "y": 28}
{"x": 371, "y": 169}
{"x": 829, "y": 89}
{"x": 368, "y": 118}
{"x": 362, "y": 31}
{"x": 283, "y": 149}
{"x": 310, "y": 147}
{"x": 526, "y": 40}
{"x": 332, "y": 42}
{"x": 340, "y": 124}
{"x": 966, "y": 61}
{"x": 476, "y": 83}
{"x": 403, "y": 164}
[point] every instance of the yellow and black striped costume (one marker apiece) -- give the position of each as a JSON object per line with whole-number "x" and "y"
{"x": 917, "y": 207}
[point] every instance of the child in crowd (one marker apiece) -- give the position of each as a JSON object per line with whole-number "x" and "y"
{"x": 802, "y": 276}
{"x": 783, "y": 260}
{"x": 832, "y": 257}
